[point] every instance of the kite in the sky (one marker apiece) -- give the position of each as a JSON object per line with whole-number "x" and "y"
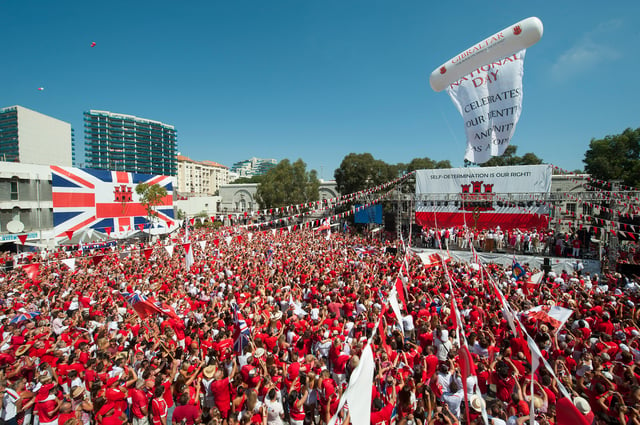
{"x": 40, "y": 88}
{"x": 93, "y": 44}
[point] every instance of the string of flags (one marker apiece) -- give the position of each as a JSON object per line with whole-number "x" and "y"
{"x": 322, "y": 205}
{"x": 613, "y": 196}
{"x": 597, "y": 181}
{"x": 615, "y": 227}
{"x": 315, "y": 205}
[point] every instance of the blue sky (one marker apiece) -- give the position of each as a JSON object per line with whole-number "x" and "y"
{"x": 318, "y": 79}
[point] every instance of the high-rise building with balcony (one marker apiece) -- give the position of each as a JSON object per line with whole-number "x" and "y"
{"x": 253, "y": 167}
{"x": 33, "y": 138}
{"x": 121, "y": 142}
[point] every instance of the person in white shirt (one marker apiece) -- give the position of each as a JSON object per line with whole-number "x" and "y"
{"x": 10, "y": 403}
{"x": 443, "y": 345}
{"x": 407, "y": 325}
{"x": 324, "y": 346}
{"x": 455, "y": 395}
{"x": 58, "y": 323}
{"x": 273, "y": 405}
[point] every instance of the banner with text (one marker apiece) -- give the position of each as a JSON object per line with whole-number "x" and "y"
{"x": 511, "y": 179}
{"x": 490, "y": 101}
{"x": 478, "y": 197}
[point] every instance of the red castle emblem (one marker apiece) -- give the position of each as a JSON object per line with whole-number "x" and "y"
{"x": 443, "y": 70}
{"x": 474, "y": 199}
{"x": 123, "y": 193}
{"x": 517, "y": 30}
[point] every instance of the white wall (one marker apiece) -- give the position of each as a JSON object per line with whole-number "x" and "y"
{"x": 196, "y": 204}
{"x": 43, "y": 139}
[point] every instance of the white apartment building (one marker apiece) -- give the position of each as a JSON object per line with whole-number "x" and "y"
{"x": 200, "y": 177}
{"x": 30, "y": 137}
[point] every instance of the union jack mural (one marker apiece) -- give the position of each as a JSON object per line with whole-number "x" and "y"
{"x": 104, "y": 200}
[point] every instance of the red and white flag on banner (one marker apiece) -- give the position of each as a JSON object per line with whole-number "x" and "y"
{"x": 490, "y": 101}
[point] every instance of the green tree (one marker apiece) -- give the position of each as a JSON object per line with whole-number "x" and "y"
{"x": 287, "y": 184}
{"x": 151, "y": 195}
{"x": 362, "y": 171}
{"x": 426, "y": 164}
{"x": 615, "y": 157}
{"x": 509, "y": 157}
{"x": 252, "y": 179}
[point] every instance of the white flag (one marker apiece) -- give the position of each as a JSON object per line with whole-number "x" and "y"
{"x": 169, "y": 249}
{"x": 203, "y": 245}
{"x": 358, "y": 392}
{"x": 70, "y": 262}
{"x": 490, "y": 101}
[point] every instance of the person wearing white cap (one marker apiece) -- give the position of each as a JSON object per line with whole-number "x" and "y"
{"x": 583, "y": 407}
{"x": 443, "y": 344}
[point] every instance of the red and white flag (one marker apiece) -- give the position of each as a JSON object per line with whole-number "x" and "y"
{"x": 435, "y": 259}
{"x": 555, "y": 316}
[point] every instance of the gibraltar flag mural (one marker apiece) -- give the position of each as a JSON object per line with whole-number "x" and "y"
{"x": 485, "y": 84}
{"x": 481, "y": 198}
{"x": 104, "y": 200}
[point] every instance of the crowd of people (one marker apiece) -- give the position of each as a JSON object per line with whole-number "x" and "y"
{"x": 267, "y": 328}
{"x": 575, "y": 244}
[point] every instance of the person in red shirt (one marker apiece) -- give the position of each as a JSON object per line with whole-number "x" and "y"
{"x": 187, "y": 412}
{"x": 166, "y": 380}
{"x": 66, "y": 412}
{"x": 159, "y": 409}
{"x": 110, "y": 414}
{"x": 220, "y": 388}
{"x": 381, "y": 413}
{"x": 139, "y": 403}
{"x": 48, "y": 405}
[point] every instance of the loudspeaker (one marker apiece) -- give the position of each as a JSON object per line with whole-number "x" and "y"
{"x": 546, "y": 265}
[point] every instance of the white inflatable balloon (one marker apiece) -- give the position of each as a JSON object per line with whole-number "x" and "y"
{"x": 516, "y": 37}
